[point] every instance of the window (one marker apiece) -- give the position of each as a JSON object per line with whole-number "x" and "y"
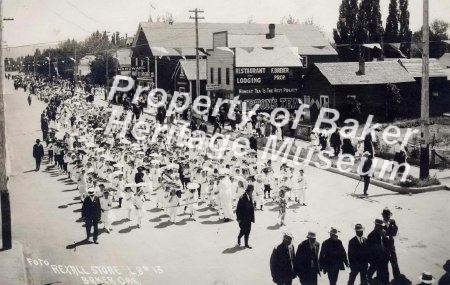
{"x": 227, "y": 76}
{"x": 212, "y": 75}
{"x": 305, "y": 61}
{"x": 324, "y": 101}
{"x": 219, "y": 75}
{"x": 181, "y": 89}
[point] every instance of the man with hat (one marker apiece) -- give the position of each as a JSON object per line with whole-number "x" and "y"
{"x": 445, "y": 279}
{"x": 91, "y": 213}
{"x": 378, "y": 251}
{"x": 426, "y": 278}
{"x": 245, "y": 215}
{"x": 38, "y": 153}
{"x": 333, "y": 257}
{"x": 391, "y": 229}
{"x": 366, "y": 170}
{"x": 306, "y": 263}
{"x": 358, "y": 256}
{"x": 282, "y": 261}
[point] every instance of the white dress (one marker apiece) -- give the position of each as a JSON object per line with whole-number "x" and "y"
{"x": 139, "y": 208}
{"x": 107, "y": 213}
{"x": 225, "y": 188}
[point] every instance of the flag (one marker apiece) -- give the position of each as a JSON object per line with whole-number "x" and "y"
{"x": 47, "y": 58}
{"x": 72, "y": 59}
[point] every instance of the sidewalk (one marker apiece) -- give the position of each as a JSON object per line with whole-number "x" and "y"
{"x": 13, "y": 269}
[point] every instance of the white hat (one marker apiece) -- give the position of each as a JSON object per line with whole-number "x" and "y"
{"x": 224, "y": 171}
{"x": 192, "y": 186}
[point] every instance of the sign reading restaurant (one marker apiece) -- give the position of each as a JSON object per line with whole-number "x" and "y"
{"x": 270, "y": 87}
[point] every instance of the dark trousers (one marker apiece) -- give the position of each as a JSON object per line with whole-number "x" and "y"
{"x": 38, "y": 162}
{"x": 382, "y": 270}
{"x": 308, "y": 278}
{"x": 333, "y": 275}
{"x": 215, "y": 129}
{"x": 245, "y": 231}
{"x": 267, "y": 190}
{"x": 90, "y": 222}
{"x": 285, "y": 283}
{"x": 394, "y": 263}
{"x": 337, "y": 150}
{"x": 50, "y": 156}
{"x": 362, "y": 271}
{"x": 366, "y": 183}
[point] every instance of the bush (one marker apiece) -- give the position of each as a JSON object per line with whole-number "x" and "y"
{"x": 411, "y": 181}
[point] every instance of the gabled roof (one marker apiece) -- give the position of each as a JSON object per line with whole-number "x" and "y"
{"x": 260, "y": 57}
{"x": 381, "y": 72}
{"x": 414, "y": 67}
{"x": 182, "y": 35}
{"x": 124, "y": 56}
{"x": 445, "y": 60}
{"x": 190, "y": 68}
{"x": 257, "y": 40}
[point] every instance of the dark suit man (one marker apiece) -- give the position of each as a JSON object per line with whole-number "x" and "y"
{"x": 333, "y": 257}
{"x": 366, "y": 171}
{"x": 391, "y": 229}
{"x": 358, "y": 256}
{"x": 379, "y": 251}
{"x": 253, "y": 143}
{"x": 245, "y": 215}
{"x": 306, "y": 263}
{"x": 38, "y": 153}
{"x": 282, "y": 262}
{"x": 91, "y": 213}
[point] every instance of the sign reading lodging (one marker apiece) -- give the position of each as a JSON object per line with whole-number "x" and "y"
{"x": 270, "y": 87}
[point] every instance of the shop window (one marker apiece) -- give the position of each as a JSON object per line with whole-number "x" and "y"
{"x": 181, "y": 89}
{"x": 305, "y": 61}
{"x": 212, "y": 75}
{"x": 227, "y": 76}
{"x": 219, "y": 75}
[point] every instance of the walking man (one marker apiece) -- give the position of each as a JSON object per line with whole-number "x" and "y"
{"x": 91, "y": 213}
{"x": 38, "y": 153}
{"x": 333, "y": 257}
{"x": 282, "y": 261}
{"x": 391, "y": 229}
{"x": 245, "y": 215}
{"x": 379, "y": 251}
{"x": 357, "y": 256}
{"x": 307, "y": 260}
{"x": 366, "y": 171}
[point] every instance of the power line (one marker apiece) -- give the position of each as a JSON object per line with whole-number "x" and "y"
{"x": 59, "y": 15}
{"x": 83, "y": 13}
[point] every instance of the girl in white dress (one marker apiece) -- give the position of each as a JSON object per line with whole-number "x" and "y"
{"x": 127, "y": 202}
{"x": 107, "y": 215}
{"x": 138, "y": 202}
{"x": 191, "y": 201}
{"x": 259, "y": 192}
{"x": 173, "y": 206}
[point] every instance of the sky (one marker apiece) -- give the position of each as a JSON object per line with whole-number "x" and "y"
{"x": 40, "y": 23}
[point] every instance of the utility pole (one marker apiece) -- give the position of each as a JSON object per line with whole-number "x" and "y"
{"x": 197, "y": 82}
{"x": 106, "y": 75}
{"x": 4, "y": 194}
{"x": 425, "y": 100}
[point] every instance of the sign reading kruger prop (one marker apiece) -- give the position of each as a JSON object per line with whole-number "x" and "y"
{"x": 270, "y": 87}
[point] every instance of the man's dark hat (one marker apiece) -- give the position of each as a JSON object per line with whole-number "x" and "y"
{"x": 447, "y": 266}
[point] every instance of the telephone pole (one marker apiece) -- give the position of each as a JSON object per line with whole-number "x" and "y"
{"x": 4, "y": 194}
{"x": 197, "y": 82}
{"x": 425, "y": 100}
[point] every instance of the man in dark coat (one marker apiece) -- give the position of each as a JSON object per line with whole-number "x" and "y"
{"x": 253, "y": 143}
{"x": 333, "y": 257}
{"x": 44, "y": 128}
{"x": 445, "y": 279}
{"x": 391, "y": 229}
{"x": 379, "y": 251}
{"x": 91, "y": 213}
{"x": 335, "y": 142}
{"x": 358, "y": 256}
{"x": 38, "y": 153}
{"x": 139, "y": 176}
{"x": 245, "y": 215}
{"x": 282, "y": 262}
{"x": 306, "y": 262}
{"x": 366, "y": 171}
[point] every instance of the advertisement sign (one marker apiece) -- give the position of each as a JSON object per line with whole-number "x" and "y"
{"x": 271, "y": 87}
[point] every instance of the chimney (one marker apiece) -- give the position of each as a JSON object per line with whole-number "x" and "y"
{"x": 362, "y": 67}
{"x": 271, "y": 33}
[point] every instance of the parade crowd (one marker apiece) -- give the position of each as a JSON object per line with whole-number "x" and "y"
{"x": 115, "y": 173}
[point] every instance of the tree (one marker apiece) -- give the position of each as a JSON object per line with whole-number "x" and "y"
{"x": 393, "y": 100}
{"x": 98, "y": 68}
{"x": 250, "y": 20}
{"x": 369, "y": 24}
{"x": 344, "y": 34}
{"x": 405, "y": 34}
{"x": 391, "y": 34}
{"x": 438, "y": 33}
{"x": 167, "y": 18}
